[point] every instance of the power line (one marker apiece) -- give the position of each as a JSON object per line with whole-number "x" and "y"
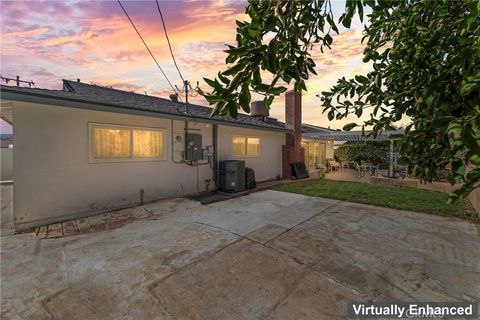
{"x": 168, "y": 40}
{"x": 146, "y": 46}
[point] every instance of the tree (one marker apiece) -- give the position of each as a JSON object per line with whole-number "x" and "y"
{"x": 426, "y": 66}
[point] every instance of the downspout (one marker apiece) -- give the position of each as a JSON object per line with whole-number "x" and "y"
{"x": 215, "y": 148}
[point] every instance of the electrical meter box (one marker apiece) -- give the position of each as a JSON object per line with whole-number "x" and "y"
{"x": 193, "y": 147}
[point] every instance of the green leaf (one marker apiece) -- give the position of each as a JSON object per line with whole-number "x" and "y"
{"x": 211, "y": 83}
{"x": 245, "y": 98}
{"x": 349, "y": 126}
{"x": 361, "y": 79}
{"x": 233, "y": 70}
{"x": 236, "y": 51}
{"x": 267, "y": 101}
{"x": 223, "y": 78}
{"x": 276, "y": 90}
{"x": 331, "y": 115}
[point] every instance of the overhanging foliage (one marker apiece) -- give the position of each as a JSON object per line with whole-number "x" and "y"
{"x": 426, "y": 66}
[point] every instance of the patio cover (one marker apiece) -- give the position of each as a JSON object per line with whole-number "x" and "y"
{"x": 361, "y": 135}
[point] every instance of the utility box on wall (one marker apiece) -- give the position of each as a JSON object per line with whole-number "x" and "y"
{"x": 193, "y": 147}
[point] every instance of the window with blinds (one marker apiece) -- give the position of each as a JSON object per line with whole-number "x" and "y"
{"x": 243, "y": 146}
{"x": 147, "y": 143}
{"x": 109, "y": 142}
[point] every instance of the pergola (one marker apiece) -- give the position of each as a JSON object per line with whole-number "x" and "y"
{"x": 360, "y": 136}
{"x": 354, "y": 136}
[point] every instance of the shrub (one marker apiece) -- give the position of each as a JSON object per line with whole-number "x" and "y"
{"x": 368, "y": 151}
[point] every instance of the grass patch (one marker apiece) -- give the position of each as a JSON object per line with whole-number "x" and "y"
{"x": 402, "y": 198}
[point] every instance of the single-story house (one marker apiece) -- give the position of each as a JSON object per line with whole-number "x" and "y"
{"x": 111, "y": 149}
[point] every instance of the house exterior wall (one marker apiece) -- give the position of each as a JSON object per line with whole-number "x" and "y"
{"x": 6, "y": 159}
{"x": 55, "y": 181}
{"x": 268, "y": 165}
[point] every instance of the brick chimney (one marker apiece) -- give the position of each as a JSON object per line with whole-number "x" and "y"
{"x": 292, "y": 151}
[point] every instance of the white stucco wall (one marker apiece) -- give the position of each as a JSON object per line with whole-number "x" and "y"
{"x": 268, "y": 165}
{"x": 54, "y": 179}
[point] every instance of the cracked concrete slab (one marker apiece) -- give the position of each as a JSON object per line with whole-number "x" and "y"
{"x": 390, "y": 254}
{"x": 244, "y": 215}
{"x": 103, "y": 275}
{"x": 266, "y": 233}
{"x": 268, "y": 255}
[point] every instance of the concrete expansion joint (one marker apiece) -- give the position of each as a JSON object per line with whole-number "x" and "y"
{"x": 264, "y": 245}
{"x": 306, "y": 220}
{"x": 308, "y": 267}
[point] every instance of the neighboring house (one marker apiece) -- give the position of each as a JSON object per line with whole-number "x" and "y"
{"x": 111, "y": 149}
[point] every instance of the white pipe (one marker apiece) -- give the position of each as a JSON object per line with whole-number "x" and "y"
{"x": 173, "y": 158}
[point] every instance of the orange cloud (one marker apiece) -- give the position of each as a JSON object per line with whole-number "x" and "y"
{"x": 95, "y": 42}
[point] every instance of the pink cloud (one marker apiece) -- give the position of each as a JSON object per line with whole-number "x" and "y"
{"x": 92, "y": 40}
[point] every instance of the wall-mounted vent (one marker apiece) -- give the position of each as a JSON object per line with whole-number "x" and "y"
{"x": 257, "y": 109}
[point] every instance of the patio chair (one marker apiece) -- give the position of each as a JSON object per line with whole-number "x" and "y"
{"x": 334, "y": 165}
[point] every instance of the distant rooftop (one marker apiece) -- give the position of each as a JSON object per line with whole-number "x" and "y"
{"x": 310, "y": 128}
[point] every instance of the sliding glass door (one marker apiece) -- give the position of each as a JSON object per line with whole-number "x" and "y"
{"x": 315, "y": 154}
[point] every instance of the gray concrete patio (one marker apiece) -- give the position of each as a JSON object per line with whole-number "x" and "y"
{"x": 267, "y": 255}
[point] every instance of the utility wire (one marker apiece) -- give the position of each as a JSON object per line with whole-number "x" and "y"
{"x": 168, "y": 40}
{"x": 146, "y": 46}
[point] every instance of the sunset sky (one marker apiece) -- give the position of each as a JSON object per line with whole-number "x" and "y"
{"x": 46, "y": 41}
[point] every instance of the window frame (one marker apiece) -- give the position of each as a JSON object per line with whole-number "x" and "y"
{"x": 132, "y": 158}
{"x": 245, "y": 137}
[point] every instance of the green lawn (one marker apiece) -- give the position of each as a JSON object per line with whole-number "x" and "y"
{"x": 384, "y": 196}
